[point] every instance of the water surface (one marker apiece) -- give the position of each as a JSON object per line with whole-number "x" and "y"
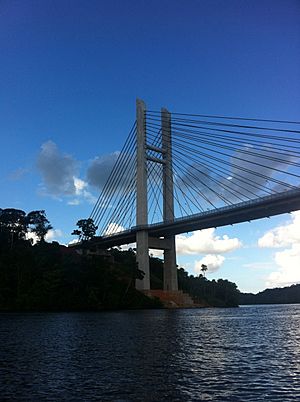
{"x": 240, "y": 354}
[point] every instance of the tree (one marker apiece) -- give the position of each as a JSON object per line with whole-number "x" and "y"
{"x": 38, "y": 224}
{"x": 203, "y": 269}
{"x": 13, "y": 224}
{"x": 87, "y": 228}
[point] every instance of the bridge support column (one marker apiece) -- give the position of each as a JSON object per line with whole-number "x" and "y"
{"x": 142, "y": 258}
{"x": 170, "y": 267}
{"x": 142, "y": 247}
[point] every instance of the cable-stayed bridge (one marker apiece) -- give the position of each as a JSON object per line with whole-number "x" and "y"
{"x": 182, "y": 172}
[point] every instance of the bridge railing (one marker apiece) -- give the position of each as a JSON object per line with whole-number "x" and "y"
{"x": 240, "y": 205}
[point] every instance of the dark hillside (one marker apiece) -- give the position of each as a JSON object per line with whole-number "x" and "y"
{"x": 287, "y": 295}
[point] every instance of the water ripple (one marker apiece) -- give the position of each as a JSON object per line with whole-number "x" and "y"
{"x": 246, "y": 354}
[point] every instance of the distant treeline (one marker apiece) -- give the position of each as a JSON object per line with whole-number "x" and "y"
{"x": 287, "y": 295}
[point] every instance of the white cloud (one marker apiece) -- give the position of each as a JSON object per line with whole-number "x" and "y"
{"x": 79, "y": 185}
{"x": 212, "y": 261}
{"x": 287, "y": 261}
{"x": 81, "y": 191}
{"x": 89, "y": 197}
{"x": 284, "y": 235}
{"x": 58, "y": 172}
{"x": 259, "y": 266}
{"x": 156, "y": 253}
{"x": 74, "y": 241}
{"x": 53, "y": 235}
{"x": 288, "y": 271}
{"x": 113, "y": 228}
{"x": 76, "y": 201}
{"x": 32, "y": 236}
{"x": 205, "y": 242}
{"x": 199, "y": 242}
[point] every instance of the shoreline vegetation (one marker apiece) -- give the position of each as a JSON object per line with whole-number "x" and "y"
{"x": 286, "y": 295}
{"x": 52, "y": 277}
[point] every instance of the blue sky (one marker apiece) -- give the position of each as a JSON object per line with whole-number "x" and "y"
{"x": 71, "y": 71}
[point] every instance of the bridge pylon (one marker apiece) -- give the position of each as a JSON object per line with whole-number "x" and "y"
{"x": 143, "y": 241}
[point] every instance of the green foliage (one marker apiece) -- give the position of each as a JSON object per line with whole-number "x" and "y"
{"x": 38, "y": 224}
{"x": 15, "y": 225}
{"x": 87, "y": 228}
{"x": 52, "y": 277}
{"x": 220, "y": 293}
{"x": 156, "y": 273}
{"x": 204, "y": 268}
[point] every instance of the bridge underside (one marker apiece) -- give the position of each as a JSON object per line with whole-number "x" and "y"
{"x": 167, "y": 245}
{"x": 252, "y": 210}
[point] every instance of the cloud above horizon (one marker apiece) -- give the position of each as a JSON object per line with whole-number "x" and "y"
{"x": 257, "y": 168}
{"x": 57, "y": 170}
{"x": 52, "y": 235}
{"x": 82, "y": 193}
{"x": 100, "y": 168}
{"x": 205, "y": 242}
{"x": 59, "y": 174}
{"x": 18, "y": 174}
{"x": 284, "y": 235}
{"x": 243, "y": 175}
{"x": 212, "y": 261}
{"x": 286, "y": 261}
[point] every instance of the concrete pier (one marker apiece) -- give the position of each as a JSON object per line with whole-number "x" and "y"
{"x": 142, "y": 245}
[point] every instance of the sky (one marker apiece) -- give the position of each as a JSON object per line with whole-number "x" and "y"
{"x": 71, "y": 71}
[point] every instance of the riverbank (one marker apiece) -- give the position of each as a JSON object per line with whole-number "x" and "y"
{"x": 52, "y": 277}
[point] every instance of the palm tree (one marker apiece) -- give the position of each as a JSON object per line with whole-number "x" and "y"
{"x": 204, "y": 269}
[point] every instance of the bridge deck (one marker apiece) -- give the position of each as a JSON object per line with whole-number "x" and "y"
{"x": 245, "y": 211}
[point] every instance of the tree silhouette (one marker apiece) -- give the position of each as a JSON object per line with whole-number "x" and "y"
{"x": 87, "y": 228}
{"x": 38, "y": 224}
{"x": 13, "y": 225}
{"x": 204, "y": 269}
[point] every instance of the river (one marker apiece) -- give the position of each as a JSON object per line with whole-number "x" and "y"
{"x": 251, "y": 353}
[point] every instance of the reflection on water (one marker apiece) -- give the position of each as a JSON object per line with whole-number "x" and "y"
{"x": 245, "y": 354}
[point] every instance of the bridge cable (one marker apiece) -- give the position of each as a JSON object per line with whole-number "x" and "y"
{"x": 268, "y": 136}
{"x": 117, "y": 181}
{"x": 150, "y": 112}
{"x": 247, "y": 171}
{"x": 112, "y": 173}
{"x": 113, "y": 181}
{"x": 122, "y": 200}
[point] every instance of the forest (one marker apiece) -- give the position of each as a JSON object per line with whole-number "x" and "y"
{"x": 52, "y": 277}
{"x": 286, "y": 295}
{"x": 220, "y": 293}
